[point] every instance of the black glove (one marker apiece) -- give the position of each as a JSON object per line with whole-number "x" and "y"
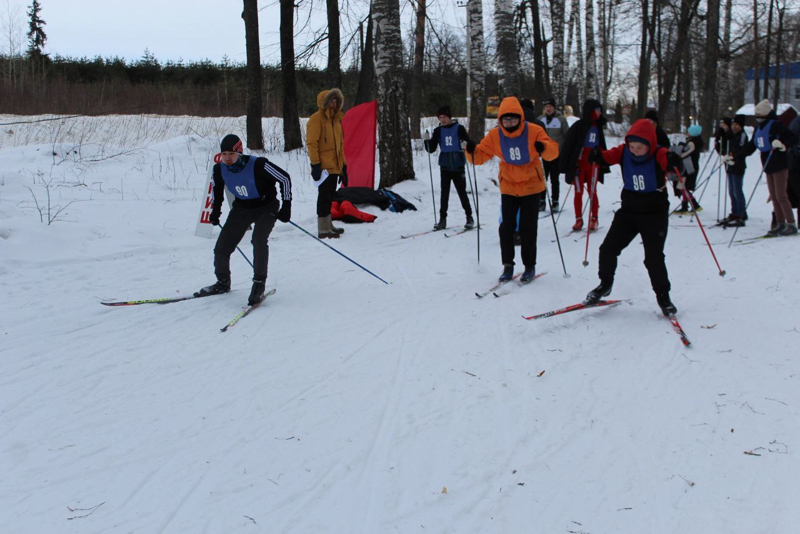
{"x": 539, "y": 146}
{"x": 674, "y": 161}
{"x": 343, "y": 178}
{"x": 316, "y": 171}
{"x": 214, "y": 217}
{"x": 569, "y": 179}
{"x": 427, "y": 144}
{"x": 285, "y": 213}
{"x": 596, "y": 157}
{"x": 471, "y": 146}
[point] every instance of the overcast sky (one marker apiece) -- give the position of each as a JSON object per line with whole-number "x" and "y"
{"x": 170, "y": 29}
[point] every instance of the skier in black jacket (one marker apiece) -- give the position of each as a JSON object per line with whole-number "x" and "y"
{"x": 735, "y": 161}
{"x": 661, "y": 136}
{"x": 252, "y": 181}
{"x": 582, "y": 137}
{"x": 448, "y": 137}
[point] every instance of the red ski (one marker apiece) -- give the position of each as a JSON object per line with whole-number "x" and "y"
{"x": 574, "y": 307}
{"x": 677, "y": 326}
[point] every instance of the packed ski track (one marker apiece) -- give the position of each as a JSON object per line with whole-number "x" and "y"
{"x": 345, "y": 405}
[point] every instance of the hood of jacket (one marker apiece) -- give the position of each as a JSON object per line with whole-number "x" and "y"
{"x": 644, "y": 128}
{"x": 324, "y": 97}
{"x": 511, "y": 105}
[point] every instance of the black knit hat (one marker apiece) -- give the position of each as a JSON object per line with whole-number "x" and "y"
{"x": 550, "y": 101}
{"x": 727, "y": 120}
{"x": 740, "y": 120}
{"x": 526, "y": 103}
{"x": 231, "y": 143}
{"x": 652, "y": 115}
{"x": 444, "y": 110}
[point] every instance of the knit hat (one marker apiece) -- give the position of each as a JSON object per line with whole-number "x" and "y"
{"x": 444, "y": 110}
{"x": 763, "y": 108}
{"x": 526, "y": 103}
{"x": 740, "y": 120}
{"x": 652, "y": 115}
{"x": 727, "y": 121}
{"x": 695, "y": 130}
{"x": 231, "y": 143}
{"x": 637, "y": 139}
{"x": 549, "y": 102}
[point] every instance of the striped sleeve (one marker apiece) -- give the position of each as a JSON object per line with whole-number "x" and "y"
{"x": 282, "y": 177}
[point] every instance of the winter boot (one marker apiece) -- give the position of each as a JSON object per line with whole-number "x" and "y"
{"x": 508, "y": 273}
{"x": 666, "y": 305}
{"x": 555, "y": 206}
{"x": 528, "y": 275}
{"x": 442, "y": 224}
{"x": 788, "y": 229}
{"x": 324, "y": 230}
{"x": 339, "y": 231}
{"x": 593, "y": 224}
{"x": 470, "y": 223}
{"x": 594, "y": 296}
{"x": 257, "y": 293}
{"x": 220, "y": 287}
{"x": 775, "y": 230}
{"x": 733, "y": 221}
{"x": 578, "y": 224}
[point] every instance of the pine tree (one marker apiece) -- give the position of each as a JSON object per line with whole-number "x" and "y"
{"x": 36, "y": 35}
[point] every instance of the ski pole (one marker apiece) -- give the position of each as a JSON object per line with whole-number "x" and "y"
{"x": 687, "y": 199}
{"x": 245, "y": 256}
{"x": 430, "y": 171}
{"x": 336, "y": 251}
{"x": 725, "y": 191}
{"x": 472, "y": 186}
{"x": 753, "y": 193}
{"x": 704, "y": 184}
{"x": 566, "y": 198}
{"x": 555, "y": 229}
{"x": 595, "y": 168}
{"x": 477, "y": 207}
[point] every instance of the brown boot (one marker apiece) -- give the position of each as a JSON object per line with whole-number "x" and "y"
{"x": 324, "y": 228}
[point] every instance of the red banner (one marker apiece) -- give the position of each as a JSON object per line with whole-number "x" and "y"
{"x": 359, "y": 126}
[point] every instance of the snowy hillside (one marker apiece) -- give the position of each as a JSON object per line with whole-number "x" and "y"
{"x": 344, "y": 405}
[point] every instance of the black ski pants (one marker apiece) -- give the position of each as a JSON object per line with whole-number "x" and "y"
{"x": 325, "y": 194}
{"x": 652, "y": 226}
{"x": 237, "y": 223}
{"x": 551, "y": 173}
{"x": 460, "y": 181}
{"x": 528, "y": 208}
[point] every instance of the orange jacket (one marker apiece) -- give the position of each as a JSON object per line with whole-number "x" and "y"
{"x": 516, "y": 180}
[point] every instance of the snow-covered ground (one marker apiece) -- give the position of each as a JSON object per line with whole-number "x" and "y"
{"x": 345, "y": 405}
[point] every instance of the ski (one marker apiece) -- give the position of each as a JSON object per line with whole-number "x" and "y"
{"x": 574, "y": 307}
{"x": 495, "y": 287}
{"x": 751, "y": 240}
{"x": 677, "y": 327}
{"x": 512, "y": 286}
{"x": 165, "y": 300}
{"x": 246, "y": 311}
{"x": 427, "y": 232}
{"x": 462, "y": 231}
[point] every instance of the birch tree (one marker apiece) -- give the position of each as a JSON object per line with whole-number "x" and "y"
{"x": 477, "y": 70}
{"x": 507, "y": 53}
{"x": 725, "y": 56}
{"x": 590, "y": 85}
{"x": 394, "y": 145}
{"x": 557, "y": 18}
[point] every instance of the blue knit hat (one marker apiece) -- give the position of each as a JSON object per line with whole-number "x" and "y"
{"x": 695, "y": 130}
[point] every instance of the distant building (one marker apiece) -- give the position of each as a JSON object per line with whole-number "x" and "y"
{"x": 790, "y": 84}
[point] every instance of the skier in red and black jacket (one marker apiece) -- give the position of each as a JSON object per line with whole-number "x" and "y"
{"x": 644, "y": 210}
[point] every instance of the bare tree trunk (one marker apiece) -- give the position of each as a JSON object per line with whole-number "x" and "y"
{"x": 778, "y": 49}
{"x": 557, "y": 17}
{"x": 725, "y": 69}
{"x": 538, "y": 46}
{"x": 367, "y": 76}
{"x": 767, "y": 53}
{"x": 687, "y": 86}
{"x": 292, "y": 137}
{"x": 708, "y": 108}
{"x": 644, "y": 64}
{"x": 757, "y": 84}
{"x": 394, "y": 135}
{"x": 507, "y": 53}
{"x": 602, "y": 61}
{"x": 334, "y": 45}
{"x": 477, "y": 70}
{"x": 580, "y": 72}
{"x": 688, "y": 10}
{"x": 591, "y": 60}
{"x": 416, "y": 73}
{"x": 255, "y": 134}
